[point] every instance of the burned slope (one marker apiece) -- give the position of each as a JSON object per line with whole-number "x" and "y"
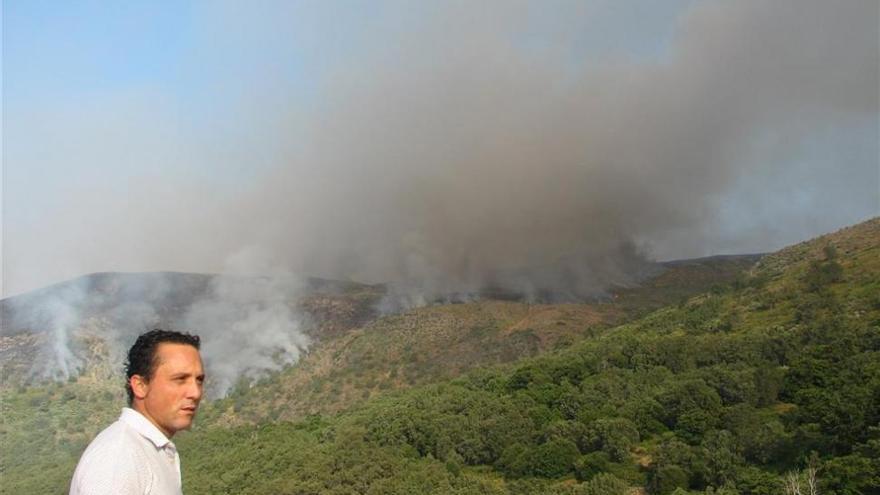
{"x": 442, "y": 341}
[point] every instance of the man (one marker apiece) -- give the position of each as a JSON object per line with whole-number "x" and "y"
{"x": 135, "y": 454}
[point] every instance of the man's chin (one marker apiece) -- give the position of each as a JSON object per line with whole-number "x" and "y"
{"x": 185, "y": 423}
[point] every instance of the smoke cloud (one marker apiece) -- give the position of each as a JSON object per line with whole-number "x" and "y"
{"x": 247, "y": 324}
{"x": 452, "y": 147}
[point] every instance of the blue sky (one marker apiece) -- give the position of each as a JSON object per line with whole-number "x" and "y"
{"x": 134, "y": 132}
{"x": 63, "y": 48}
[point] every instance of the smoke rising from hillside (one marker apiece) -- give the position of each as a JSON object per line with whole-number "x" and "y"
{"x": 248, "y": 327}
{"x": 247, "y": 324}
{"x": 458, "y": 147}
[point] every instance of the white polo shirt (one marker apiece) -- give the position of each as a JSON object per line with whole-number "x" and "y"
{"x": 130, "y": 457}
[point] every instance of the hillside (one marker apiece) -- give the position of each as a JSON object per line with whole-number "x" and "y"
{"x": 51, "y": 333}
{"x": 440, "y": 342}
{"x": 723, "y": 391}
{"x": 83, "y": 325}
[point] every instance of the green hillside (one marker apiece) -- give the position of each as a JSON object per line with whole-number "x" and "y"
{"x": 440, "y": 342}
{"x": 724, "y": 393}
{"x": 727, "y": 391}
{"x": 356, "y": 356}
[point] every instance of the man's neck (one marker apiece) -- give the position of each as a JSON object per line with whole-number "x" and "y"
{"x": 139, "y": 407}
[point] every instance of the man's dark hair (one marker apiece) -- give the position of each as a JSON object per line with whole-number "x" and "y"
{"x": 142, "y": 355}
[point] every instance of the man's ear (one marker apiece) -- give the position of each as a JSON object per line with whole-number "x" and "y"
{"x": 139, "y": 385}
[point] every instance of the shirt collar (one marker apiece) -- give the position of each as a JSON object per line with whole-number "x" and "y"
{"x": 143, "y": 426}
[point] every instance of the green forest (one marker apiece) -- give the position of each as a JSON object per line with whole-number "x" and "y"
{"x": 766, "y": 384}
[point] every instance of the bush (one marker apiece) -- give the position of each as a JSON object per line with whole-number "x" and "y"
{"x": 615, "y": 436}
{"x": 754, "y": 481}
{"x": 665, "y": 479}
{"x": 554, "y": 458}
{"x": 690, "y": 396}
{"x": 604, "y": 484}
{"x": 694, "y": 424}
{"x": 549, "y": 460}
{"x": 591, "y": 465}
{"x": 514, "y": 461}
{"x": 824, "y": 272}
{"x": 850, "y": 475}
{"x": 720, "y": 457}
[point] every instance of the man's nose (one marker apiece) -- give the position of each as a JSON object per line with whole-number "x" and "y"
{"x": 195, "y": 390}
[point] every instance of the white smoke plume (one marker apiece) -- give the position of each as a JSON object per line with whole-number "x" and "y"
{"x": 246, "y": 323}
{"x": 62, "y": 315}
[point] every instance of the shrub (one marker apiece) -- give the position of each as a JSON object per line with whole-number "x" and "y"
{"x": 665, "y": 479}
{"x": 591, "y": 465}
{"x": 614, "y": 436}
{"x": 604, "y": 484}
{"x": 554, "y": 458}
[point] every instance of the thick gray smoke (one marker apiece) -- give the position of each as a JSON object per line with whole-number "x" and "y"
{"x": 454, "y": 161}
{"x": 453, "y": 147}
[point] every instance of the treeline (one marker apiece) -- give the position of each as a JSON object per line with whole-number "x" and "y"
{"x": 741, "y": 391}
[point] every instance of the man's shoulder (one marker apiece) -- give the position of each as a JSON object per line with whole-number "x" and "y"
{"x": 117, "y": 438}
{"x": 114, "y": 458}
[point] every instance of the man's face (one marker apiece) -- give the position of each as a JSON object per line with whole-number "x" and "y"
{"x": 170, "y": 398}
